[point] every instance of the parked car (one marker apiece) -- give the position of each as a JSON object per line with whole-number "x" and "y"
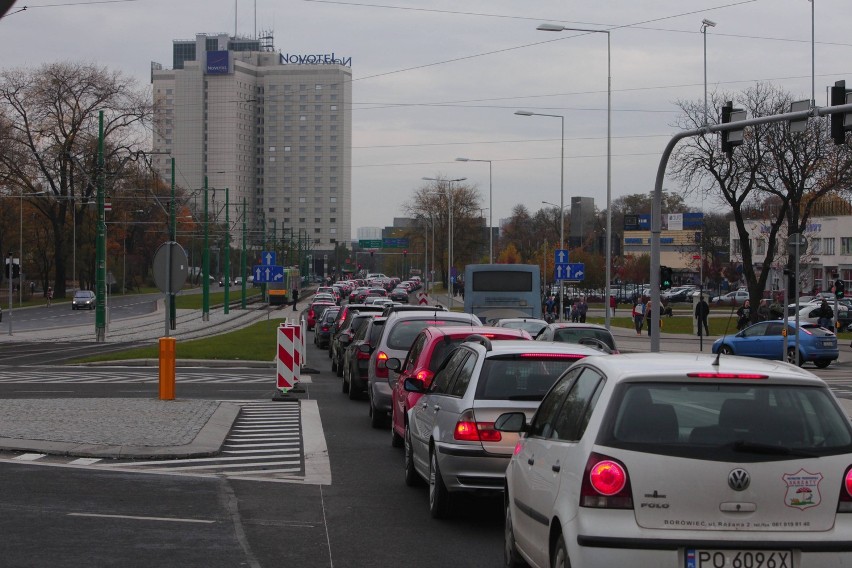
{"x": 322, "y": 333}
{"x": 585, "y": 333}
{"x": 531, "y": 325}
{"x": 450, "y": 441}
{"x": 808, "y": 312}
{"x": 83, "y": 299}
{"x": 430, "y": 348}
{"x": 356, "y": 359}
{"x": 648, "y": 460}
{"x": 765, "y": 340}
{"x": 400, "y": 331}
{"x": 735, "y": 298}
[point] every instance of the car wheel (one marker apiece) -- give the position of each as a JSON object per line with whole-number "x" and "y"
{"x": 559, "y": 558}
{"x": 439, "y": 497}
{"x": 377, "y": 419}
{"x": 396, "y": 439}
{"x": 511, "y": 558}
{"x": 339, "y": 368}
{"x": 794, "y": 357}
{"x": 822, "y": 363}
{"x": 726, "y": 350}
{"x": 411, "y": 477}
{"x": 345, "y": 384}
{"x": 354, "y": 391}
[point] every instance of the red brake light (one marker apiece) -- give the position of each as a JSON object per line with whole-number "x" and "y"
{"x": 605, "y": 484}
{"x": 381, "y": 365}
{"x": 572, "y": 356}
{"x": 468, "y": 430}
{"x": 844, "y": 505}
{"x": 727, "y": 376}
{"x": 424, "y": 375}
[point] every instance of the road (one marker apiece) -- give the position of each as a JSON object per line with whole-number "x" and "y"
{"x": 59, "y": 514}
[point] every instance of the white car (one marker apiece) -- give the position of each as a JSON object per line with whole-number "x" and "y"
{"x": 808, "y": 312}
{"x": 649, "y": 460}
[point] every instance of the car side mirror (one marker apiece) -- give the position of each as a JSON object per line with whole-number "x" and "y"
{"x": 414, "y": 385}
{"x": 393, "y": 364}
{"x": 365, "y": 348}
{"x": 511, "y": 422}
{"x": 344, "y": 339}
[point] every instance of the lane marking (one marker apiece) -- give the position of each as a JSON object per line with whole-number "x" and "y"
{"x": 29, "y": 457}
{"x": 135, "y": 518}
{"x": 84, "y": 461}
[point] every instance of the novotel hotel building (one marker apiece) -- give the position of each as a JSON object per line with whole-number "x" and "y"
{"x": 273, "y": 128}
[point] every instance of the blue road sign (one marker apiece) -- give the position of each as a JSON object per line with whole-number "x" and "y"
{"x": 569, "y": 271}
{"x": 561, "y": 256}
{"x": 267, "y": 258}
{"x": 265, "y": 274}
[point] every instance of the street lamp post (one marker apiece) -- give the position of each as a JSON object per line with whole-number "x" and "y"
{"x": 561, "y": 194}
{"x": 704, "y": 25}
{"x": 449, "y": 183}
{"x": 558, "y": 28}
{"x": 490, "y": 209}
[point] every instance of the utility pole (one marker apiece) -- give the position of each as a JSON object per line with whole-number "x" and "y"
{"x": 173, "y": 237}
{"x": 100, "y": 242}
{"x": 243, "y": 260}
{"x": 226, "y": 309}
{"x": 205, "y": 263}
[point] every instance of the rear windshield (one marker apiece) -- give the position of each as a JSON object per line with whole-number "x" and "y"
{"x": 376, "y": 332}
{"x": 358, "y": 323}
{"x": 519, "y": 377}
{"x": 575, "y": 334}
{"x": 726, "y": 422}
{"x": 533, "y": 327}
{"x": 404, "y": 332}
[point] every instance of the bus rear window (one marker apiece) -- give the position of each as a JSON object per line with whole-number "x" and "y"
{"x": 501, "y": 281}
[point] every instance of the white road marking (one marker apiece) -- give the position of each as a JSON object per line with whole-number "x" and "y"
{"x": 29, "y": 457}
{"x": 84, "y": 461}
{"x": 134, "y": 518}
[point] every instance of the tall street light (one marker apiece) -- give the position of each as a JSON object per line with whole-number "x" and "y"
{"x": 449, "y": 183}
{"x": 558, "y": 28}
{"x": 561, "y": 193}
{"x": 490, "y": 209}
{"x": 704, "y": 25}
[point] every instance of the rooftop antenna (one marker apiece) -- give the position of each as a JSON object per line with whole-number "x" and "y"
{"x": 236, "y": 9}
{"x": 719, "y": 352}
{"x": 255, "y": 19}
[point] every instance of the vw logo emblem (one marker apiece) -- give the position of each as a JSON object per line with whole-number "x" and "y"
{"x": 739, "y": 479}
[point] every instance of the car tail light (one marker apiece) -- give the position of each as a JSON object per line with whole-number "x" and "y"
{"x": 469, "y": 430}
{"x": 324, "y": 328}
{"x": 425, "y": 376}
{"x": 727, "y": 376}
{"x": 605, "y": 484}
{"x": 381, "y": 365}
{"x": 844, "y": 505}
{"x": 361, "y": 355}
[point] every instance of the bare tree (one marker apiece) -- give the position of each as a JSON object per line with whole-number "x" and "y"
{"x": 50, "y": 139}
{"x": 775, "y": 175}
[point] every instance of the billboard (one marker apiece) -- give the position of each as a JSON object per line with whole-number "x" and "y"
{"x": 217, "y": 63}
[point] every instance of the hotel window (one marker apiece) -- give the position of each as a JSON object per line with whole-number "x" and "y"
{"x": 317, "y": 230}
{"x": 846, "y": 246}
{"x": 333, "y": 231}
{"x": 301, "y": 219}
{"x": 318, "y": 87}
{"x": 303, "y": 200}
{"x": 317, "y": 219}
{"x": 828, "y": 246}
{"x": 332, "y": 220}
{"x": 333, "y": 199}
{"x": 333, "y": 107}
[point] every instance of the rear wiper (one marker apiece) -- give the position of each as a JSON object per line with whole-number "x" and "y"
{"x": 769, "y": 449}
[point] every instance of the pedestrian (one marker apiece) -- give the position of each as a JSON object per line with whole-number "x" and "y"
{"x": 702, "y": 310}
{"x": 575, "y": 314}
{"x": 295, "y": 297}
{"x": 776, "y": 310}
{"x": 825, "y": 315}
{"x": 638, "y": 315}
{"x": 548, "y": 309}
{"x": 648, "y": 313}
{"x": 763, "y": 310}
{"x": 744, "y": 315}
{"x": 49, "y": 295}
{"x": 612, "y": 305}
{"x": 32, "y": 287}
{"x": 582, "y": 309}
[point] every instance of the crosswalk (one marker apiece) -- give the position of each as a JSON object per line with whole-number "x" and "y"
{"x": 137, "y": 376}
{"x": 266, "y": 443}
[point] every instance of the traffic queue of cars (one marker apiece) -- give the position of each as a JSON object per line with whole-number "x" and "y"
{"x": 598, "y": 455}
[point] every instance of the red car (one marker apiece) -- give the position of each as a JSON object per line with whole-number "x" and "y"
{"x": 430, "y": 348}
{"x": 314, "y": 310}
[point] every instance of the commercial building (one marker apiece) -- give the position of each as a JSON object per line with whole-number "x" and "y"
{"x": 273, "y": 128}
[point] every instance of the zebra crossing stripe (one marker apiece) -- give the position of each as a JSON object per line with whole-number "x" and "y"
{"x": 29, "y": 457}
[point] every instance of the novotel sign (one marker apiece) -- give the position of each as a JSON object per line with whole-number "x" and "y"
{"x": 317, "y": 59}
{"x": 217, "y": 63}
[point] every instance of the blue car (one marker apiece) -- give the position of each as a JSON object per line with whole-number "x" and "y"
{"x": 765, "y": 340}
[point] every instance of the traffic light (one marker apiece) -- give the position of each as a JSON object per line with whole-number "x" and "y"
{"x": 839, "y": 121}
{"x": 405, "y": 253}
{"x": 839, "y": 289}
{"x": 665, "y": 278}
{"x": 371, "y": 254}
{"x": 731, "y": 138}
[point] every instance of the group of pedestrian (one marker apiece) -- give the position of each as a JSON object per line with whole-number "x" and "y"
{"x": 574, "y": 310}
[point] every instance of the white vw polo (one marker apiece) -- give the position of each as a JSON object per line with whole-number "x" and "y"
{"x": 684, "y": 460}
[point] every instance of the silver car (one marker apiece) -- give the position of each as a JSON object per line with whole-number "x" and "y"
{"x": 83, "y": 299}
{"x": 400, "y": 331}
{"x": 649, "y": 460}
{"x": 450, "y": 439}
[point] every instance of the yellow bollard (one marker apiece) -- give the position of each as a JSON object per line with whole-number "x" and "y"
{"x": 167, "y": 368}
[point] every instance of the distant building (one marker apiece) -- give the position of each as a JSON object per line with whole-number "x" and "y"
{"x": 275, "y": 129}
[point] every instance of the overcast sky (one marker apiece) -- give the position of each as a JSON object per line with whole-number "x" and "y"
{"x": 438, "y": 80}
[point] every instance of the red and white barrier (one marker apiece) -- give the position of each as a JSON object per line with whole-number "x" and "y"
{"x": 289, "y": 364}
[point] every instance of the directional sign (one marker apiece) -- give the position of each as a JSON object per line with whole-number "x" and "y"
{"x": 569, "y": 271}
{"x": 264, "y": 274}
{"x": 267, "y": 258}
{"x": 370, "y": 243}
{"x": 395, "y": 243}
{"x": 561, "y": 256}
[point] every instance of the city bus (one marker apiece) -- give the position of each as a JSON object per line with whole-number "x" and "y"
{"x": 493, "y": 291}
{"x": 280, "y": 293}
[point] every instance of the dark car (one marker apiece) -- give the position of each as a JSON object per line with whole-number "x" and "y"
{"x": 314, "y": 311}
{"x": 356, "y": 360}
{"x": 585, "y": 333}
{"x": 342, "y": 328}
{"x": 399, "y": 294}
{"x": 322, "y": 334}
{"x": 83, "y": 299}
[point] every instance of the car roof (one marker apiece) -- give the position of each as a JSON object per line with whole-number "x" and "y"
{"x": 675, "y": 366}
{"x": 514, "y": 347}
{"x": 430, "y": 314}
{"x": 464, "y": 330}
{"x": 501, "y": 321}
{"x": 576, "y": 325}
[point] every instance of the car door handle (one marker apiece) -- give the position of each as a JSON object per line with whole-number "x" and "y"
{"x": 437, "y": 407}
{"x": 423, "y": 405}
{"x": 556, "y": 467}
{"x": 531, "y": 461}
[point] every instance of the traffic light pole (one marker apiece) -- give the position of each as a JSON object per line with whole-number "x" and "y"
{"x": 656, "y": 204}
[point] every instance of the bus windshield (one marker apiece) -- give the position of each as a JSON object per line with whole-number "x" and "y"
{"x": 493, "y": 291}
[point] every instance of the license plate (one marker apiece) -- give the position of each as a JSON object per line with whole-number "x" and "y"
{"x": 828, "y": 343}
{"x": 700, "y": 558}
